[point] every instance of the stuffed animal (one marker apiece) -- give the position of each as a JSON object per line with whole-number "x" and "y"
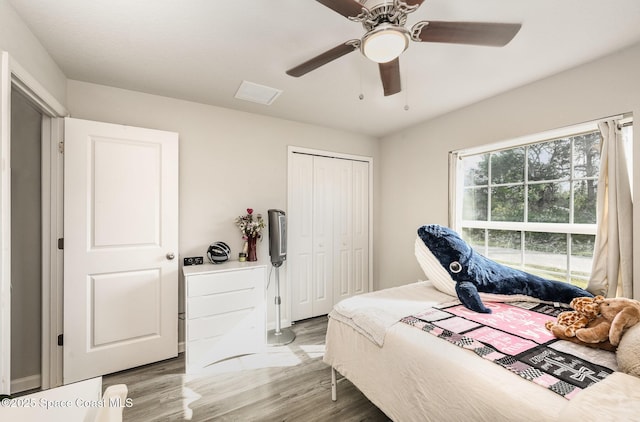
{"x": 602, "y": 345}
{"x": 474, "y": 273}
{"x": 586, "y": 315}
{"x": 586, "y": 309}
{"x": 616, "y": 315}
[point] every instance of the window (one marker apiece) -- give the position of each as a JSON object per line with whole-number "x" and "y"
{"x": 531, "y": 204}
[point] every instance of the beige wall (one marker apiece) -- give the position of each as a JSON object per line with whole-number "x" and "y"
{"x": 414, "y": 169}
{"x": 229, "y": 160}
{"x": 25, "y": 48}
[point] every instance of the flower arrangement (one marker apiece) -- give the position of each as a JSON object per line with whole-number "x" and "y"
{"x": 250, "y": 226}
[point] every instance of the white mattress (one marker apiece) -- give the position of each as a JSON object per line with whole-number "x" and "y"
{"x": 418, "y": 377}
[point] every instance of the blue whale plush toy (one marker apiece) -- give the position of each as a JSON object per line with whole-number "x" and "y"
{"x": 474, "y": 273}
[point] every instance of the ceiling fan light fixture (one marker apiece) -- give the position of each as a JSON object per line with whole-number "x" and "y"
{"x": 385, "y": 43}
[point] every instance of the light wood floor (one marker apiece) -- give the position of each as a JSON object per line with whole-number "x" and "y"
{"x": 286, "y": 383}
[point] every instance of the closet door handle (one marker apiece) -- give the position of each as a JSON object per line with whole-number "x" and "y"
{"x": 170, "y": 256}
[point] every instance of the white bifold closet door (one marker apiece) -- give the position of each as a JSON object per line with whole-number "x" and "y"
{"x": 328, "y": 233}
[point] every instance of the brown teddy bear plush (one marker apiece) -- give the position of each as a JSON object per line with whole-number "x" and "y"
{"x": 616, "y": 315}
{"x": 585, "y": 315}
{"x": 586, "y": 309}
{"x": 594, "y": 324}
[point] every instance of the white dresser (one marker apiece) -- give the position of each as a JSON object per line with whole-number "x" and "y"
{"x": 224, "y": 311}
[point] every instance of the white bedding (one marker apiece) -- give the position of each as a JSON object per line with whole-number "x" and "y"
{"x": 417, "y": 377}
{"x": 374, "y": 313}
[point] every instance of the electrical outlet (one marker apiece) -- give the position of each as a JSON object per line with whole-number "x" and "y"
{"x": 193, "y": 260}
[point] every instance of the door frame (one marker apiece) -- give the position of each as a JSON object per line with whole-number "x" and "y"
{"x": 292, "y": 149}
{"x": 52, "y": 257}
{"x": 52, "y": 166}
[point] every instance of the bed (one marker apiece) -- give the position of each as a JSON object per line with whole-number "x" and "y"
{"x": 415, "y": 376}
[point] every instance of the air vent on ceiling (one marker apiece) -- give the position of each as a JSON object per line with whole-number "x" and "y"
{"x": 257, "y": 93}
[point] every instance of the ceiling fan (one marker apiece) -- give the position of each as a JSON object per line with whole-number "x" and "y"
{"x": 386, "y": 37}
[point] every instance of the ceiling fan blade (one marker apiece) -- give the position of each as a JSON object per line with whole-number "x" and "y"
{"x": 324, "y": 58}
{"x": 412, "y": 2}
{"x": 475, "y": 33}
{"x": 390, "y": 75}
{"x": 347, "y": 8}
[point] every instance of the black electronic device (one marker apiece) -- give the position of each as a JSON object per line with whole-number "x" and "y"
{"x": 277, "y": 236}
{"x": 193, "y": 260}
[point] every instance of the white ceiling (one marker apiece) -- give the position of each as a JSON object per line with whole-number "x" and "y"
{"x": 201, "y": 50}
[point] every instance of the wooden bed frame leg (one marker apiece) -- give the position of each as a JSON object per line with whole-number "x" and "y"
{"x": 334, "y": 385}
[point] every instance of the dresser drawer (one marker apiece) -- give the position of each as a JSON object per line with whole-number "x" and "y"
{"x": 220, "y": 303}
{"x": 202, "y": 352}
{"x": 217, "y": 325}
{"x": 206, "y": 284}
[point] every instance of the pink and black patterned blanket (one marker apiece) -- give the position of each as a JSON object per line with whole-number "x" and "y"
{"x": 514, "y": 337}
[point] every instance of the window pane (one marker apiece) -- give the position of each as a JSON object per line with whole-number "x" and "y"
{"x": 585, "y": 201}
{"x": 507, "y": 203}
{"x": 475, "y": 238}
{"x": 545, "y": 254}
{"x": 549, "y": 202}
{"x": 553, "y": 182}
{"x": 476, "y": 170}
{"x": 474, "y": 204}
{"x": 505, "y": 247}
{"x": 581, "y": 258}
{"x": 586, "y": 155}
{"x": 507, "y": 166}
{"x": 550, "y": 160}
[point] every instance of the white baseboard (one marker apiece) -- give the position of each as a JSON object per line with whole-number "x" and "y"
{"x": 26, "y": 383}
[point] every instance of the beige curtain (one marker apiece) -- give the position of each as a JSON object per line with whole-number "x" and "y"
{"x": 611, "y": 274}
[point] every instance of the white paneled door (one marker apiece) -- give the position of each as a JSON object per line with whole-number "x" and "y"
{"x": 120, "y": 247}
{"x": 360, "y": 229}
{"x": 328, "y": 258}
{"x": 322, "y": 259}
{"x": 300, "y": 241}
{"x": 351, "y": 230}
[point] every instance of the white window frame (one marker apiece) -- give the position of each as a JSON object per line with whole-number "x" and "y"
{"x": 456, "y": 189}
